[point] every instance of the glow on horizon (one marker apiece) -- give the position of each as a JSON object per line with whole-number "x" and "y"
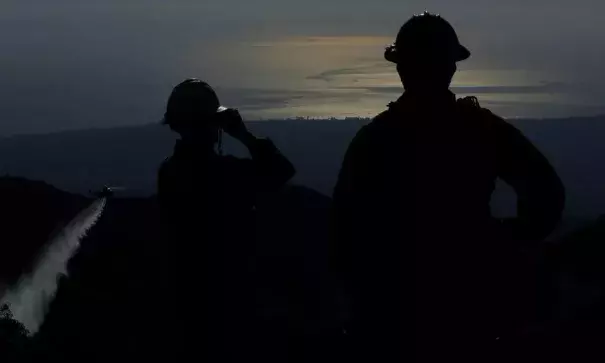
{"x": 346, "y": 76}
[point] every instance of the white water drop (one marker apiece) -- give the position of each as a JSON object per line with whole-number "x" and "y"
{"x": 30, "y": 297}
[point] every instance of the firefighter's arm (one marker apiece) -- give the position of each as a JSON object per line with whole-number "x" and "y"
{"x": 270, "y": 167}
{"x": 540, "y": 192}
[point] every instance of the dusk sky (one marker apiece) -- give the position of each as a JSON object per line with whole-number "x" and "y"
{"x": 73, "y": 64}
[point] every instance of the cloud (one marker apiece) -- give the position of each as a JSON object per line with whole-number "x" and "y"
{"x": 326, "y": 41}
{"x": 257, "y": 99}
{"x": 364, "y": 70}
{"x": 348, "y": 99}
{"x": 260, "y": 99}
{"x": 268, "y": 103}
{"x": 546, "y": 87}
{"x": 381, "y": 77}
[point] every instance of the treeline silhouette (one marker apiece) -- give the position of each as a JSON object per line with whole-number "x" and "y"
{"x": 14, "y": 343}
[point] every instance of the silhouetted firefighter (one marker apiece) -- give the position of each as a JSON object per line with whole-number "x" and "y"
{"x": 207, "y": 204}
{"x": 429, "y": 269}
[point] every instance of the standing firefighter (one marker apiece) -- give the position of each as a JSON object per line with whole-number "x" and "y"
{"x": 197, "y": 180}
{"x": 425, "y": 262}
{"x": 207, "y": 204}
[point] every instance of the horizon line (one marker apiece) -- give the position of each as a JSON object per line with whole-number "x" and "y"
{"x": 254, "y": 120}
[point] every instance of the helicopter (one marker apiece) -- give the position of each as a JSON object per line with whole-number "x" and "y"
{"x": 105, "y": 192}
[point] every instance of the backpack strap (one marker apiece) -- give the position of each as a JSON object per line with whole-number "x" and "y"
{"x": 470, "y": 109}
{"x": 468, "y": 104}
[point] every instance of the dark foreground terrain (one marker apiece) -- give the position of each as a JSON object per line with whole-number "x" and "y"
{"x": 123, "y": 290}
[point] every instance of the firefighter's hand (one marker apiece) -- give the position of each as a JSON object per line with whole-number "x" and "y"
{"x": 233, "y": 124}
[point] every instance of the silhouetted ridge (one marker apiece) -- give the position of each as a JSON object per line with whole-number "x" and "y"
{"x": 121, "y": 273}
{"x": 30, "y": 213}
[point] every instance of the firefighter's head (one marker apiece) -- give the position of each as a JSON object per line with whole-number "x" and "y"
{"x": 426, "y": 52}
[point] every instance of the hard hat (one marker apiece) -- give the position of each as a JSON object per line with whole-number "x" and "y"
{"x": 427, "y": 37}
{"x": 190, "y": 100}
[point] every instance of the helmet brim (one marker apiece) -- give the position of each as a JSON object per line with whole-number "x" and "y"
{"x": 463, "y": 53}
{"x": 393, "y": 56}
{"x": 164, "y": 120}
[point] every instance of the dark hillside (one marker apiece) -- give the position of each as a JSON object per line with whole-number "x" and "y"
{"x": 30, "y": 212}
{"x": 122, "y": 291}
